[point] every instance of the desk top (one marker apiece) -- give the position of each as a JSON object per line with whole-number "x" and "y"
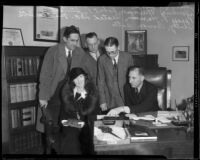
{"x": 172, "y": 142}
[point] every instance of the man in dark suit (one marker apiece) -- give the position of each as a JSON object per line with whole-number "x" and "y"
{"x": 57, "y": 62}
{"x": 93, "y": 51}
{"x": 112, "y": 69}
{"x": 140, "y": 95}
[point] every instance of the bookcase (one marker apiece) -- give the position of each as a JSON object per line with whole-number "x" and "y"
{"x": 20, "y": 78}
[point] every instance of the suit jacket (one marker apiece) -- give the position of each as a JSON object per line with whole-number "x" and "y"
{"x": 145, "y": 101}
{"x": 106, "y": 77}
{"x": 71, "y": 106}
{"x": 54, "y": 68}
{"x": 90, "y": 65}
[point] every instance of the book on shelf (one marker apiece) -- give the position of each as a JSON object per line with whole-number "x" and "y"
{"x": 15, "y": 118}
{"x": 22, "y": 92}
{"x": 19, "y": 92}
{"x": 19, "y": 66}
{"x": 22, "y": 66}
{"x": 141, "y": 133}
{"x": 25, "y": 96}
{"x": 28, "y": 116}
{"x": 13, "y": 97}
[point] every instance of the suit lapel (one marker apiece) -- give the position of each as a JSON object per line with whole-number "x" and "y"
{"x": 109, "y": 65}
{"x": 62, "y": 57}
{"x": 142, "y": 91}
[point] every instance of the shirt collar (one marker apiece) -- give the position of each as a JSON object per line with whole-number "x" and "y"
{"x": 67, "y": 51}
{"x": 83, "y": 94}
{"x": 116, "y": 58}
{"x": 95, "y": 55}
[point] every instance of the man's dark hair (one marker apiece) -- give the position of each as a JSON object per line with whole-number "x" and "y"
{"x": 110, "y": 41}
{"x": 70, "y": 30}
{"x": 141, "y": 70}
{"x": 90, "y": 35}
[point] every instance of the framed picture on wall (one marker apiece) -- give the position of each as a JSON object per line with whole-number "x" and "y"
{"x": 180, "y": 53}
{"x": 47, "y": 23}
{"x": 136, "y": 41}
{"x": 12, "y": 37}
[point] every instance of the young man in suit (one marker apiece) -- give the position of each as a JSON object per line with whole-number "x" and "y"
{"x": 140, "y": 95}
{"x": 57, "y": 62}
{"x": 112, "y": 70}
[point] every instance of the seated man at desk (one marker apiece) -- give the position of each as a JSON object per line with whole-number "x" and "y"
{"x": 140, "y": 95}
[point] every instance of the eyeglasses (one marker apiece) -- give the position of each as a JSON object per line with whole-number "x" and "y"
{"x": 112, "y": 52}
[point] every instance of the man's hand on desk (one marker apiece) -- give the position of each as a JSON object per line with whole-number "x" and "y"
{"x": 118, "y": 110}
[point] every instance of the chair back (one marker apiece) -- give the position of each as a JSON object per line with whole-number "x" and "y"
{"x": 161, "y": 78}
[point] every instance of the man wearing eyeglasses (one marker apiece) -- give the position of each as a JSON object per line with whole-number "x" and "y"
{"x": 112, "y": 70}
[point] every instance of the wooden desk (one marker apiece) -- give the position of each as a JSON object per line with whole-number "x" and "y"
{"x": 171, "y": 143}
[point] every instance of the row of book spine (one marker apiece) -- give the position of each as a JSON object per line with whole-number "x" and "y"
{"x": 22, "y": 92}
{"x": 22, "y": 66}
{"x": 24, "y": 117}
{"x": 25, "y": 141}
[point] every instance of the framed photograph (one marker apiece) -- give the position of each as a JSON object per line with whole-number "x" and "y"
{"x": 47, "y": 23}
{"x": 136, "y": 41}
{"x": 180, "y": 53}
{"x": 12, "y": 37}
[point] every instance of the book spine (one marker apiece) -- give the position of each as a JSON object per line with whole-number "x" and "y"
{"x": 11, "y": 66}
{"x": 19, "y": 92}
{"x": 19, "y": 66}
{"x": 14, "y": 67}
{"x": 25, "y": 92}
{"x": 26, "y": 66}
{"x": 12, "y": 118}
{"x": 8, "y": 67}
{"x": 34, "y": 65}
{"x": 15, "y": 118}
{"x": 38, "y": 63}
{"x": 30, "y": 66}
{"x": 13, "y": 97}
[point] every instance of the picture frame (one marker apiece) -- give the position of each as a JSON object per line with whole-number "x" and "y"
{"x": 12, "y": 37}
{"x": 47, "y": 23}
{"x": 136, "y": 41}
{"x": 180, "y": 53}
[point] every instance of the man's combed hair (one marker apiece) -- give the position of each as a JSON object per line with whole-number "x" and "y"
{"x": 110, "y": 41}
{"x": 90, "y": 35}
{"x": 70, "y": 30}
{"x": 140, "y": 69}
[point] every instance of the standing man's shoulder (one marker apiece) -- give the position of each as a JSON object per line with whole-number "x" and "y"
{"x": 79, "y": 50}
{"x": 126, "y": 54}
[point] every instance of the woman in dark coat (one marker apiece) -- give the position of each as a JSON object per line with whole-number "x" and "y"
{"x": 79, "y": 97}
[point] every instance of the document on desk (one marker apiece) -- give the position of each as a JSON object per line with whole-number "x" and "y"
{"x": 118, "y": 135}
{"x": 146, "y": 117}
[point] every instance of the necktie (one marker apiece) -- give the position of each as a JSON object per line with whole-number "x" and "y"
{"x": 136, "y": 91}
{"x": 115, "y": 64}
{"x": 69, "y": 58}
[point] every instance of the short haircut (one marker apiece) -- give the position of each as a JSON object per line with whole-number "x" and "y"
{"x": 110, "y": 41}
{"x": 140, "y": 69}
{"x": 70, "y": 30}
{"x": 90, "y": 35}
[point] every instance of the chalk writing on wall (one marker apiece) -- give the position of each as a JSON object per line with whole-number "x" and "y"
{"x": 171, "y": 18}
{"x": 168, "y": 18}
